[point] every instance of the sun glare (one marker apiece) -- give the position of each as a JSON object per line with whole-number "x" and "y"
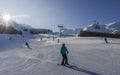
{"x": 6, "y": 17}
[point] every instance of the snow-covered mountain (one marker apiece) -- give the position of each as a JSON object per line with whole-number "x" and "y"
{"x": 15, "y": 24}
{"x": 113, "y": 27}
{"x": 23, "y": 27}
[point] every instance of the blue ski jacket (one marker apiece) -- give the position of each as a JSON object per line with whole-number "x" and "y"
{"x": 64, "y": 50}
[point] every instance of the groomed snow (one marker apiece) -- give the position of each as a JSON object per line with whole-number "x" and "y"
{"x": 89, "y": 55}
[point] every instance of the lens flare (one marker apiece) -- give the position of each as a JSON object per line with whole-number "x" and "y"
{"x": 6, "y": 17}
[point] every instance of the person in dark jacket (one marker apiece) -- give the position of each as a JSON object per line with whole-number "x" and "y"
{"x": 64, "y": 52}
{"x": 27, "y": 45}
{"x": 106, "y": 40}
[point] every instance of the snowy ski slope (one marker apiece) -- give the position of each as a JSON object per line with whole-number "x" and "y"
{"x": 88, "y": 55}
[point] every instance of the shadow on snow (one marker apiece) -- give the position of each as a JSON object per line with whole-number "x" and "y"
{"x": 82, "y": 70}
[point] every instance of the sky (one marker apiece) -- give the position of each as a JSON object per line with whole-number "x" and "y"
{"x": 70, "y": 13}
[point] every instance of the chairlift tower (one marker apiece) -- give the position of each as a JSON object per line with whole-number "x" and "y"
{"x": 60, "y": 26}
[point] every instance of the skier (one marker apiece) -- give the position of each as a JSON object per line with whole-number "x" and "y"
{"x": 58, "y": 40}
{"x": 10, "y": 38}
{"x": 27, "y": 45}
{"x": 64, "y": 53}
{"x": 41, "y": 39}
{"x": 53, "y": 38}
{"x": 106, "y": 40}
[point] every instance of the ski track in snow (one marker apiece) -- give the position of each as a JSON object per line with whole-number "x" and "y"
{"x": 89, "y": 55}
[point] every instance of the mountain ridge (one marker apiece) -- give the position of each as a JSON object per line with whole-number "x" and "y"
{"x": 107, "y": 28}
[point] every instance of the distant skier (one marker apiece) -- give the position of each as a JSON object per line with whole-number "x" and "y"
{"x": 106, "y": 40}
{"x": 40, "y": 39}
{"x": 10, "y": 38}
{"x": 58, "y": 40}
{"x": 27, "y": 45}
{"x": 53, "y": 38}
{"x": 64, "y": 52}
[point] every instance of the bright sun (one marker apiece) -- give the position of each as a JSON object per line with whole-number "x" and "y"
{"x": 6, "y": 17}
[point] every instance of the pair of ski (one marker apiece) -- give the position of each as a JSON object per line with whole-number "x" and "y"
{"x": 66, "y": 65}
